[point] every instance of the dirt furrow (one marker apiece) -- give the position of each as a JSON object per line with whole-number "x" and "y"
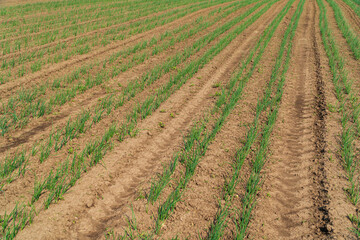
{"x": 70, "y": 39}
{"x": 135, "y": 160}
{"x": 339, "y": 207}
{"x": 42, "y": 126}
{"x": 350, "y": 16}
{"x": 194, "y": 215}
{"x": 59, "y": 69}
{"x": 26, "y": 183}
{"x": 52, "y": 27}
{"x": 293, "y": 202}
{"x": 351, "y": 64}
{"x": 12, "y": 39}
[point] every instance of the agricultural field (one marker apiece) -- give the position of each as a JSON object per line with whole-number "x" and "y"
{"x": 179, "y": 119}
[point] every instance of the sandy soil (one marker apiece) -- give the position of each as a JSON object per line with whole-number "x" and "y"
{"x": 302, "y": 195}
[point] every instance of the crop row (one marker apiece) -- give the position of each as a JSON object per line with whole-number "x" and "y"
{"x": 16, "y": 67}
{"x": 355, "y": 5}
{"x": 272, "y": 104}
{"x": 117, "y": 24}
{"x": 192, "y": 159}
{"x": 199, "y": 138}
{"x": 113, "y": 17}
{"x": 112, "y": 23}
{"x": 217, "y": 228}
{"x": 56, "y": 20}
{"x": 38, "y": 108}
{"x": 190, "y": 156}
{"x": 58, "y": 139}
{"x": 74, "y": 127}
{"x": 19, "y": 66}
{"x": 37, "y": 23}
{"x": 351, "y": 38}
{"x": 348, "y": 108}
{"x": 67, "y": 174}
{"x": 53, "y": 6}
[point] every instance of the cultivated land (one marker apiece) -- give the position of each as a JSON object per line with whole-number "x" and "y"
{"x": 179, "y": 119}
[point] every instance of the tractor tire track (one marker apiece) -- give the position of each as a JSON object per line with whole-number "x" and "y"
{"x": 294, "y": 202}
{"x": 7, "y": 89}
{"x": 36, "y": 129}
{"x": 69, "y": 39}
{"x": 350, "y": 15}
{"x": 133, "y": 162}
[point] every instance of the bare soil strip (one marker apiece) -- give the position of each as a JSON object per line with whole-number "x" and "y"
{"x": 135, "y": 160}
{"x": 100, "y": 53}
{"x": 350, "y": 16}
{"x": 294, "y": 201}
{"x": 304, "y": 189}
{"x": 195, "y": 214}
{"x": 303, "y": 194}
{"x": 15, "y": 188}
{"x": 101, "y": 30}
{"x": 89, "y": 98}
{"x": 42, "y": 169}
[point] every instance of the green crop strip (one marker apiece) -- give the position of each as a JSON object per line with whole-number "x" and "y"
{"x": 47, "y": 6}
{"x": 197, "y": 141}
{"x": 217, "y": 229}
{"x": 70, "y": 171}
{"x": 16, "y": 27}
{"x": 354, "y": 6}
{"x": 73, "y": 128}
{"x": 42, "y": 38}
{"x": 65, "y": 50}
{"x": 84, "y": 44}
{"x": 81, "y": 45}
{"x": 48, "y": 37}
{"x": 349, "y": 109}
{"x": 356, "y": 1}
{"x": 192, "y": 159}
{"x": 356, "y": 222}
{"x": 80, "y": 16}
{"x": 197, "y": 131}
{"x": 346, "y": 30}
{"x": 45, "y": 106}
{"x": 272, "y": 104}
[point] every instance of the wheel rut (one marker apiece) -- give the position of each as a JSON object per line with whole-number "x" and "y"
{"x": 350, "y": 15}
{"x": 293, "y": 202}
{"x": 98, "y": 53}
{"x": 133, "y": 162}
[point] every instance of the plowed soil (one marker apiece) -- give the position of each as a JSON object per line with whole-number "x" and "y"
{"x": 303, "y": 192}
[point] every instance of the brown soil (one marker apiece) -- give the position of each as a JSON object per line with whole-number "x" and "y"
{"x": 31, "y": 133}
{"x": 297, "y": 200}
{"x": 89, "y": 33}
{"x": 72, "y": 109}
{"x": 302, "y": 195}
{"x": 54, "y": 13}
{"x": 92, "y": 222}
{"x": 196, "y": 212}
{"x": 97, "y": 53}
{"x": 350, "y": 16}
{"x": 17, "y": 2}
